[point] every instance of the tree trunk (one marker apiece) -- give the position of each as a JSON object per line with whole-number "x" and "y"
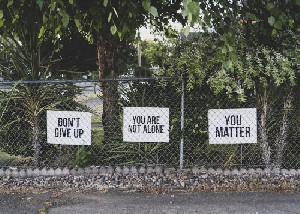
{"x": 281, "y": 142}
{"x": 107, "y": 50}
{"x": 263, "y": 101}
{"x": 36, "y": 138}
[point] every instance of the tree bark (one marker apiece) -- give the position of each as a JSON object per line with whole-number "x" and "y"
{"x": 263, "y": 101}
{"x": 281, "y": 142}
{"x": 36, "y": 138}
{"x": 107, "y": 51}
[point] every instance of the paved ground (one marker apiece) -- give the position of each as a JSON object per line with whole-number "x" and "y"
{"x": 119, "y": 202}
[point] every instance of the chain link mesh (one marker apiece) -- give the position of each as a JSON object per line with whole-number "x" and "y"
{"x": 23, "y": 125}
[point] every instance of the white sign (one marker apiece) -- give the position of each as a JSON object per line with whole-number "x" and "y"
{"x": 145, "y": 124}
{"x": 232, "y": 126}
{"x": 69, "y": 127}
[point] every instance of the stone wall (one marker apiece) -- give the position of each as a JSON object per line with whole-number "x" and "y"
{"x": 153, "y": 178}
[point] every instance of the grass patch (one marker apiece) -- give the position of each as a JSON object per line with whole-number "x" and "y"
{"x": 84, "y": 97}
{"x": 97, "y": 135}
{"x": 96, "y": 118}
{"x": 7, "y": 159}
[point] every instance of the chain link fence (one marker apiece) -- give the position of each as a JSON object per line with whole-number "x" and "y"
{"x": 145, "y": 121}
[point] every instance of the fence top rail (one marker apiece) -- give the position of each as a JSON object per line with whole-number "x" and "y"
{"x": 127, "y": 79}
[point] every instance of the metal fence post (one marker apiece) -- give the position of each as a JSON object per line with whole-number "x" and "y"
{"x": 182, "y": 124}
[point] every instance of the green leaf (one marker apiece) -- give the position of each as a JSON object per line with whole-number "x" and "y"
{"x": 269, "y": 6}
{"x": 275, "y": 11}
{"x": 65, "y": 18}
{"x": 105, "y": 3}
{"x": 9, "y": 3}
{"x": 278, "y": 25}
{"x": 78, "y": 24}
{"x": 297, "y": 2}
{"x": 40, "y": 3}
{"x": 1, "y": 14}
{"x": 146, "y": 4}
{"x": 113, "y": 29}
{"x": 186, "y": 3}
{"x": 185, "y": 13}
{"x": 57, "y": 30}
{"x": 190, "y": 17}
{"x": 153, "y": 11}
{"x": 1, "y": 23}
{"x": 42, "y": 31}
{"x": 109, "y": 17}
{"x": 186, "y": 30}
{"x": 227, "y": 64}
{"x": 271, "y": 20}
{"x": 71, "y": 2}
{"x": 115, "y": 12}
{"x": 193, "y": 8}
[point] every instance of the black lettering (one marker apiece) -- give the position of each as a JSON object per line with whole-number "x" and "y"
{"x": 242, "y": 131}
{"x": 239, "y": 120}
{"x": 218, "y": 134}
{"x": 157, "y": 119}
{"x": 227, "y": 120}
{"x": 226, "y": 132}
{"x": 149, "y": 121}
{"x": 232, "y": 118}
{"x": 134, "y": 119}
{"x": 59, "y": 122}
{"x": 247, "y": 131}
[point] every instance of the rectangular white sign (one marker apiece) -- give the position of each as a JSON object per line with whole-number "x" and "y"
{"x": 145, "y": 124}
{"x": 69, "y": 127}
{"x": 232, "y": 126}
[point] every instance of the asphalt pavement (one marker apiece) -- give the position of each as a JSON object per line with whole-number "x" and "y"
{"x": 125, "y": 202}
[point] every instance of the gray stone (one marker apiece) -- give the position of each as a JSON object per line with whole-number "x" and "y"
{"x": 65, "y": 171}
{"x": 284, "y": 171}
{"x": 219, "y": 171}
{"x": 211, "y": 171}
{"x": 102, "y": 170}
{"x": 125, "y": 170}
{"x": 195, "y": 170}
{"x": 50, "y": 172}
{"x": 243, "y": 171}
{"x": 7, "y": 172}
{"x": 87, "y": 171}
{"x": 15, "y": 173}
{"x": 251, "y": 171}
{"x": 2, "y": 173}
{"x": 158, "y": 169}
{"x": 203, "y": 170}
{"x": 73, "y": 172}
{"x": 204, "y": 176}
{"x": 275, "y": 171}
{"x": 58, "y": 172}
{"x": 227, "y": 172}
{"x": 22, "y": 173}
{"x": 119, "y": 170}
{"x": 110, "y": 170}
{"x": 80, "y": 171}
{"x": 149, "y": 169}
{"x": 293, "y": 172}
{"x": 267, "y": 171}
{"x": 235, "y": 172}
{"x": 133, "y": 170}
{"x": 259, "y": 171}
{"x": 43, "y": 172}
{"x": 169, "y": 171}
{"x": 29, "y": 172}
{"x": 36, "y": 172}
{"x": 142, "y": 170}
